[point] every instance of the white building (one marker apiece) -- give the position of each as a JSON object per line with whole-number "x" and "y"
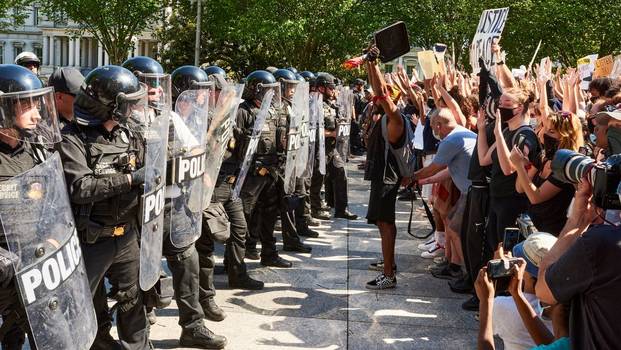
{"x": 56, "y": 44}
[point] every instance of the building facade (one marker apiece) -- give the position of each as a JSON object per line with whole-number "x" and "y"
{"x": 57, "y": 44}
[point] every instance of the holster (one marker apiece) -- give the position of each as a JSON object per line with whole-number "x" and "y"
{"x": 216, "y": 223}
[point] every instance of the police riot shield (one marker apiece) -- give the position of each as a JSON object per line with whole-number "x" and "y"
{"x": 343, "y": 122}
{"x": 251, "y": 149}
{"x": 312, "y": 133}
{"x": 219, "y": 135}
{"x": 187, "y": 166}
{"x": 301, "y": 165}
{"x": 38, "y": 223}
{"x": 321, "y": 134}
{"x": 298, "y": 108}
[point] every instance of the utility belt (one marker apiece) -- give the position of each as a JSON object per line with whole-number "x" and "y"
{"x": 95, "y": 231}
{"x": 480, "y": 185}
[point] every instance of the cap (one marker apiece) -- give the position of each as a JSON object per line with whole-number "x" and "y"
{"x": 67, "y": 80}
{"x": 610, "y": 111}
{"x": 533, "y": 249}
{"x": 359, "y": 82}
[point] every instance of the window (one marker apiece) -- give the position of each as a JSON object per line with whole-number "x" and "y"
{"x": 17, "y": 50}
{"x": 39, "y": 52}
{"x": 35, "y": 16}
{"x": 388, "y": 68}
{"x": 1, "y": 54}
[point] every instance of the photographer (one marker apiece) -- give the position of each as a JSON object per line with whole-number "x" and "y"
{"x": 518, "y": 318}
{"x": 581, "y": 269}
{"x": 549, "y": 197}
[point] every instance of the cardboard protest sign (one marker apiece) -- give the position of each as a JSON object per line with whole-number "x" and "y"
{"x": 586, "y": 67}
{"x": 616, "y": 68}
{"x": 439, "y": 50}
{"x": 428, "y": 63}
{"x": 491, "y": 25}
{"x": 603, "y": 66}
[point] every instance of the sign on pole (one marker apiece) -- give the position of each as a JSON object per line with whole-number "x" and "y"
{"x": 490, "y": 27}
{"x": 603, "y": 66}
{"x": 586, "y": 67}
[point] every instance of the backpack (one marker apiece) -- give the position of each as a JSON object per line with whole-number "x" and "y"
{"x": 405, "y": 156}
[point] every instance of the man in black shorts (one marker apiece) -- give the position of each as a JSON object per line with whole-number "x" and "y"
{"x": 383, "y": 172}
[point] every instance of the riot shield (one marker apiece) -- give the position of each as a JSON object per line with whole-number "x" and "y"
{"x": 343, "y": 122}
{"x": 266, "y": 104}
{"x": 49, "y": 272}
{"x": 187, "y": 166}
{"x": 321, "y": 134}
{"x": 218, "y": 136}
{"x": 301, "y": 164}
{"x": 312, "y": 134}
{"x": 298, "y": 108}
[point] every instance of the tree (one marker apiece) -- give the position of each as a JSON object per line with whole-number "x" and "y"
{"x": 114, "y": 23}
{"x": 15, "y": 12}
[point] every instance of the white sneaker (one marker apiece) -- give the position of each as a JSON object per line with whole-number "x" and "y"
{"x": 427, "y": 245}
{"x": 433, "y": 252}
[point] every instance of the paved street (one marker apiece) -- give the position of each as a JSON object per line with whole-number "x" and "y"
{"x": 321, "y": 303}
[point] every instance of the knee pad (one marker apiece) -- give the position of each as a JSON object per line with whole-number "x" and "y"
{"x": 127, "y": 298}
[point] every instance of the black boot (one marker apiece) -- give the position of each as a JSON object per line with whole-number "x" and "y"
{"x": 212, "y": 311}
{"x": 346, "y": 215}
{"x": 298, "y": 247}
{"x": 245, "y": 282}
{"x": 276, "y": 261}
{"x": 201, "y": 337}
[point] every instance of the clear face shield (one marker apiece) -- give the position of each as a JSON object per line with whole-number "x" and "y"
{"x": 288, "y": 89}
{"x": 275, "y": 87}
{"x": 158, "y": 90}
{"x": 132, "y": 110}
{"x": 29, "y": 116}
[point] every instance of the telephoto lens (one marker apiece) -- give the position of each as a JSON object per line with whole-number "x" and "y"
{"x": 570, "y": 167}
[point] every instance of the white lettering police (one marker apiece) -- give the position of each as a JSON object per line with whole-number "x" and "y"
{"x": 294, "y": 141}
{"x": 189, "y": 168}
{"x": 47, "y": 275}
{"x": 153, "y": 204}
{"x": 344, "y": 130}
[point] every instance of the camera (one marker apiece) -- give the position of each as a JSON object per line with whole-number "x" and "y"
{"x": 500, "y": 268}
{"x": 571, "y": 167}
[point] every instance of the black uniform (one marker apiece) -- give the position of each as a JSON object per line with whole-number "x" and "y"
{"x": 96, "y": 163}
{"x": 261, "y": 193}
{"x": 336, "y": 178}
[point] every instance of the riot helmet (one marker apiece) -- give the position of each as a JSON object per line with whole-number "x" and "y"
{"x": 29, "y": 60}
{"x": 257, "y": 84}
{"x": 308, "y": 76}
{"x": 111, "y": 92}
{"x": 192, "y": 78}
{"x": 27, "y": 109}
{"x": 288, "y": 83}
{"x": 217, "y": 76}
{"x": 292, "y": 70}
{"x": 300, "y": 78}
{"x": 326, "y": 84}
{"x": 150, "y": 72}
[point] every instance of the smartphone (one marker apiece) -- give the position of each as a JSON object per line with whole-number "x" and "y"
{"x": 512, "y": 237}
{"x": 500, "y": 268}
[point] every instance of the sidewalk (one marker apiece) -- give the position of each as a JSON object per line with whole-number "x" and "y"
{"x": 321, "y": 303}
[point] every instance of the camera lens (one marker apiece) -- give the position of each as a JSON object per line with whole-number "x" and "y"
{"x": 569, "y": 166}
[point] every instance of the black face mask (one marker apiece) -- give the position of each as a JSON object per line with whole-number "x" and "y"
{"x": 506, "y": 114}
{"x": 431, "y": 103}
{"x": 550, "y": 145}
{"x": 593, "y": 99}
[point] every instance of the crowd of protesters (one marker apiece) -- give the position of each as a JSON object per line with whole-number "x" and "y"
{"x": 491, "y": 154}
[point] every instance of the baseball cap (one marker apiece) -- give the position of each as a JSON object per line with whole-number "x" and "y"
{"x": 534, "y": 249}
{"x": 67, "y": 80}
{"x": 610, "y": 111}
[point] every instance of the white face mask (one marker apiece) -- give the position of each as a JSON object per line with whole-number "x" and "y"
{"x": 593, "y": 138}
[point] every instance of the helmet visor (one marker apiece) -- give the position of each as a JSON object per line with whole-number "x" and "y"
{"x": 30, "y": 116}
{"x": 132, "y": 109}
{"x": 158, "y": 90}
{"x": 262, "y": 90}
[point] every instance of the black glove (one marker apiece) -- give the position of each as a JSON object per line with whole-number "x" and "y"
{"x": 138, "y": 176}
{"x": 6, "y": 267}
{"x": 372, "y": 54}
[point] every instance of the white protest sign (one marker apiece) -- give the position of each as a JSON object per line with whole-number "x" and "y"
{"x": 490, "y": 27}
{"x": 586, "y": 66}
{"x": 616, "y": 68}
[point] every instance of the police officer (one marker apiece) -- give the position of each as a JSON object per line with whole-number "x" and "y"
{"x": 16, "y": 156}
{"x": 336, "y": 180}
{"x": 260, "y": 193}
{"x": 66, "y": 82}
{"x": 102, "y": 163}
{"x": 292, "y": 209}
{"x": 29, "y": 60}
{"x": 184, "y": 261}
{"x": 235, "y": 248}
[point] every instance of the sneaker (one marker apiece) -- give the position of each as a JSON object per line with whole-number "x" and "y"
{"x": 433, "y": 252}
{"x": 382, "y": 282}
{"x": 471, "y": 304}
{"x": 437, "y": 267}
{"x": 201, "y": 337}
{"x": 440, "y": 260}
{"x": 431, "y": 242}
{"x": 450, "y": 272}
{"x": 379, "y": 266}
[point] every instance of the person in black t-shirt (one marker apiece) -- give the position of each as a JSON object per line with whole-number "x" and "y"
{"x": 549, "y": 198}
{"x": 582, "y": 270}
{"x": 505, "y": 204}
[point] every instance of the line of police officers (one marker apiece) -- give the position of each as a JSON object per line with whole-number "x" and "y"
{"x": 142, "y": 165}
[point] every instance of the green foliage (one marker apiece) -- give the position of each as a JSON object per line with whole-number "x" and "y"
{"x": 318, "y": 35}
{"x": 14, "y": 11}
{"x": 112, "y": 22}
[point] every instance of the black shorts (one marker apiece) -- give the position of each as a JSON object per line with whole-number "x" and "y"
{"x": 382, "y": 202}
